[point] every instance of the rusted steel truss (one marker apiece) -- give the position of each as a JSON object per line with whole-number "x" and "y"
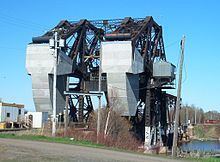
{"x": 83, "y": 40}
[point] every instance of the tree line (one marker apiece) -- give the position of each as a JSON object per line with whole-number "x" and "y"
{"x": 195, "y": 115}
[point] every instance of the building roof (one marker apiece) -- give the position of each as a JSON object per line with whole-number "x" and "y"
{"x": 11, "y": 105}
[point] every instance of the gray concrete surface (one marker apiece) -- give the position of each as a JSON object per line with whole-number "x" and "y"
{"x": 40, "y": 64}
{"x": 21, "y": 150}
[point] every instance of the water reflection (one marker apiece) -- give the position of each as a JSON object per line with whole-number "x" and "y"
{"x": 204, "y": 146}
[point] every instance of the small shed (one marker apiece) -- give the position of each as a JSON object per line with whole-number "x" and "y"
{"x": 38, "y": 118}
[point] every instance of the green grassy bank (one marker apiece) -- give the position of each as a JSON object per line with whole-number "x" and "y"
{"x": 66, "y": 140}
{"x": 63, "y": 140}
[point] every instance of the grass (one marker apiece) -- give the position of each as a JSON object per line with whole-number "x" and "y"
{"x": 204, "y": 159}
{"x": 208, "y": 132}
{"x": 63, "y": 140}
{"x": 66, "y": 140}
{"x": 199, "y": 132}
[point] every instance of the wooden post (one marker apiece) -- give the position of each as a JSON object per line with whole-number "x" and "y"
{"x": 66, "y": 111}
{"x": 176, "y": 124}
{"x": 100, "y": 99}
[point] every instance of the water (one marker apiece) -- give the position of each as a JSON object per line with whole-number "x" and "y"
{"x": 204, "y": 146}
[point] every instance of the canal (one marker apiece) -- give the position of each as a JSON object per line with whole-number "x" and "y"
{"x": 202, "y": 146}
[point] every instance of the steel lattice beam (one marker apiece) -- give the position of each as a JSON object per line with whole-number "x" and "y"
{"x": 83, "y": 40}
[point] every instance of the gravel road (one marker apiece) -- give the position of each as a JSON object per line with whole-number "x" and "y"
{"x": 21, "y": 150}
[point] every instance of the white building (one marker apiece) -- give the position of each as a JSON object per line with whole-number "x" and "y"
{"x": 11, "y": 112}
{"x": 38, "y": 118}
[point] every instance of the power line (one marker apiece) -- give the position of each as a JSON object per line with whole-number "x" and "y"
{"x": 2, "y": 77}
{"x": 137, "y": 89}
{"x": 21, "y": 21}
{"x": 171, "y": 44}
{"x": 4, "y": 18}
{"x": 11, "y": 48}
{"x": 16, "y": 24}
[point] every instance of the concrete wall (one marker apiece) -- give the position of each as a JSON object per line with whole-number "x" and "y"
{"x": 39, "y": 64}
{"x": 122, "y": 67}
{"x": 118, "y": 57}
{"x": 123, "y": 92}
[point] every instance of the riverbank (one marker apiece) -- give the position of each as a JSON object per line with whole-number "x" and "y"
{"x": 194, "y": 156}
{"x": 31, "y": 150}
{"x": 206, "y": 132}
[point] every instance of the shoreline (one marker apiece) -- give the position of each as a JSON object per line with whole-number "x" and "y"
{"x": 203, "y": 139}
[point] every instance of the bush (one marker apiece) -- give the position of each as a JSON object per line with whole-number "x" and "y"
{"x": 117, "y": 134}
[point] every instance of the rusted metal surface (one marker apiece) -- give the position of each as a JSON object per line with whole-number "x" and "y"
{"x": 83, "y": 39}
{"x": 12, "y": 105}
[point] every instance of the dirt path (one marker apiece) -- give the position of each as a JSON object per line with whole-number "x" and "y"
{"x": 21, "y": 150}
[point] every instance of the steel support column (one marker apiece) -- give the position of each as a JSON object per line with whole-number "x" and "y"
{"x": 148, "y": 115}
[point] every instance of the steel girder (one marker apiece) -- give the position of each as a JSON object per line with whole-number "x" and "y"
{"x": 83, "y": 47}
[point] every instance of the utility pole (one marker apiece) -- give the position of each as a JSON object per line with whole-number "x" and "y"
{"x": 66, "y": 111}
{"x": 54, "y": 84}
{"x": 175, "y": 136}
{"x": 195, "y": 116}
{"x": 187, "y": 116}
{"x": 100, "y": 100}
